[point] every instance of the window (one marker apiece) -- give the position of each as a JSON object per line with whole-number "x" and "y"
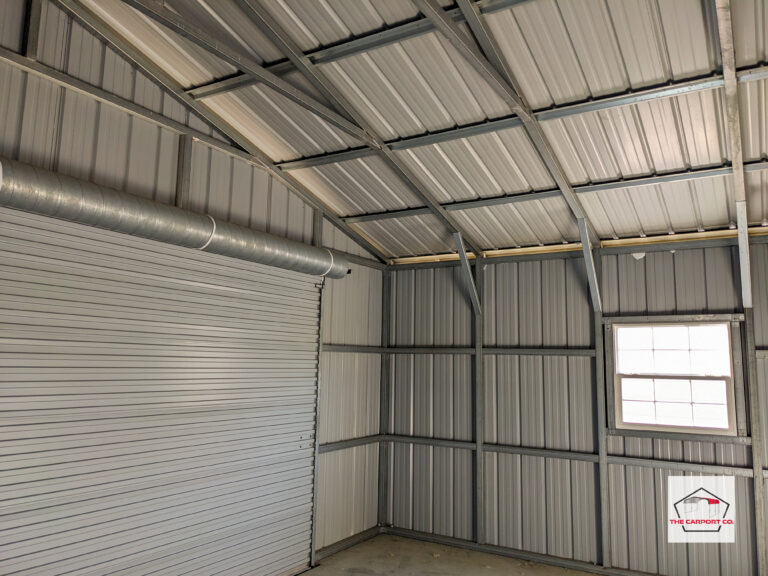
{"x": 676, "y": 377}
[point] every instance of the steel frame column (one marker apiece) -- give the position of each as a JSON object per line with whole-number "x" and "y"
{"x": 757, "y": 433}
{"x": 601, "y": 429}
{"x": 478, "y": 332}
{"x": 385, "y": 398}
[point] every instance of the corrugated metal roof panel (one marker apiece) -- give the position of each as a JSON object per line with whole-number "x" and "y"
{"x": 226, "y": 21}
{"x": 409, "y": 235}
{"x": 564, "y": 51}
{"x": 415, "y": 86}
{"x": 479, "y": 167}
{"x": 180, "y": 58}
{"x": 695, "y": 205}
{"x": 531, "y": 223}
{"x": 750, "y": 19}
{"x": 358, "y": 186}
{"x": 754, "y": 120}
{"x": 315, "y": 24}
{"x": 650, "y": 137}
{"x": 281, "y": 128}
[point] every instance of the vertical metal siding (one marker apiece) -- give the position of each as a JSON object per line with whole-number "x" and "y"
{"x": 683, "y": 281}
{"x": 158, "y": 406}
{"x": 347, "y": 493}
{"x": 349, "y": 404}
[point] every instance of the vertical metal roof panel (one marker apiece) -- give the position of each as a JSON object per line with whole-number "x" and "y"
{"x": 227, "y": 22}
{"x": 419, "y": 85}
{"x": 750, "y": 18}
{"x": 409, "y": 235}
{"x": 315, "y": 24}
{"x": 358, "y": 186}
{"x": 480, "y": 166}
{"x": 281, "y": 128}
{"x": 183, "y": 60}
{"x": 689, "y": 27}
{"x": 530, "y": 223}
{"x": 695, "y": 205}
{"x": 754, "y": 121}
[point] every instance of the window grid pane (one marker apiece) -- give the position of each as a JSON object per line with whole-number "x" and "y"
{"x": 675, "y": 402}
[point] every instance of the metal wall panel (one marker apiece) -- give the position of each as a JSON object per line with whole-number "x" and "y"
{"x": 349, "y": 404}
{"x": 158, "y": 406}
{"x": 60, "y": 130}
{"x": 429, "y": 308}
{"x": 347, "y": 493}
{"x": 431, "y": 489}
{"x": 550, "y": 505}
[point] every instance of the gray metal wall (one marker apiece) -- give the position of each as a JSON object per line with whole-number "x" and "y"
{"x": 687, "y": 281}
{"x": 550, "y": 505}
{"x": 158, "y": 406}
{"x": 349, "y": 407}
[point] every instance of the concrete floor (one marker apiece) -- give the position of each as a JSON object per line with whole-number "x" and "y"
{"x": 394, "y": 556}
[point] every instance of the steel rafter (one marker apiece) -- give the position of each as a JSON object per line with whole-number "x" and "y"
{"x": 288, "y": 46}
{"x": 490, "y": 64}
{"x": 169, "y": 19}
{"x": 103, "y": 31}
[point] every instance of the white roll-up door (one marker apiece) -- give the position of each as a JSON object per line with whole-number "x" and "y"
{"x": 157, "y": 407}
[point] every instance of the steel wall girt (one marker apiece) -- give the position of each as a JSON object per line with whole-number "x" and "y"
{"x": 103, "y": 31}
{"x": 272, "y": 29}
{"x": 158, "y": 12}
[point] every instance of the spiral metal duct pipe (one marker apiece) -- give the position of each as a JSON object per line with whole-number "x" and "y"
{"x": 31, "y": 189}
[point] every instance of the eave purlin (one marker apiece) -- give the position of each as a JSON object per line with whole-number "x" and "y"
{"x": 272, "y": 29}
{"x": 104, "y": 32}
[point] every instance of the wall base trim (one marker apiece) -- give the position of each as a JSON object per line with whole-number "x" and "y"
{"x": 347, "y": 543}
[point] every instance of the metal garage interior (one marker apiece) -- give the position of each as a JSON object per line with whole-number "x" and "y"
{"x": 193, "y": 383}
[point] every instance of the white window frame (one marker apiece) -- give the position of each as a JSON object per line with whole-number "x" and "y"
{"x": 732, "y": 429}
